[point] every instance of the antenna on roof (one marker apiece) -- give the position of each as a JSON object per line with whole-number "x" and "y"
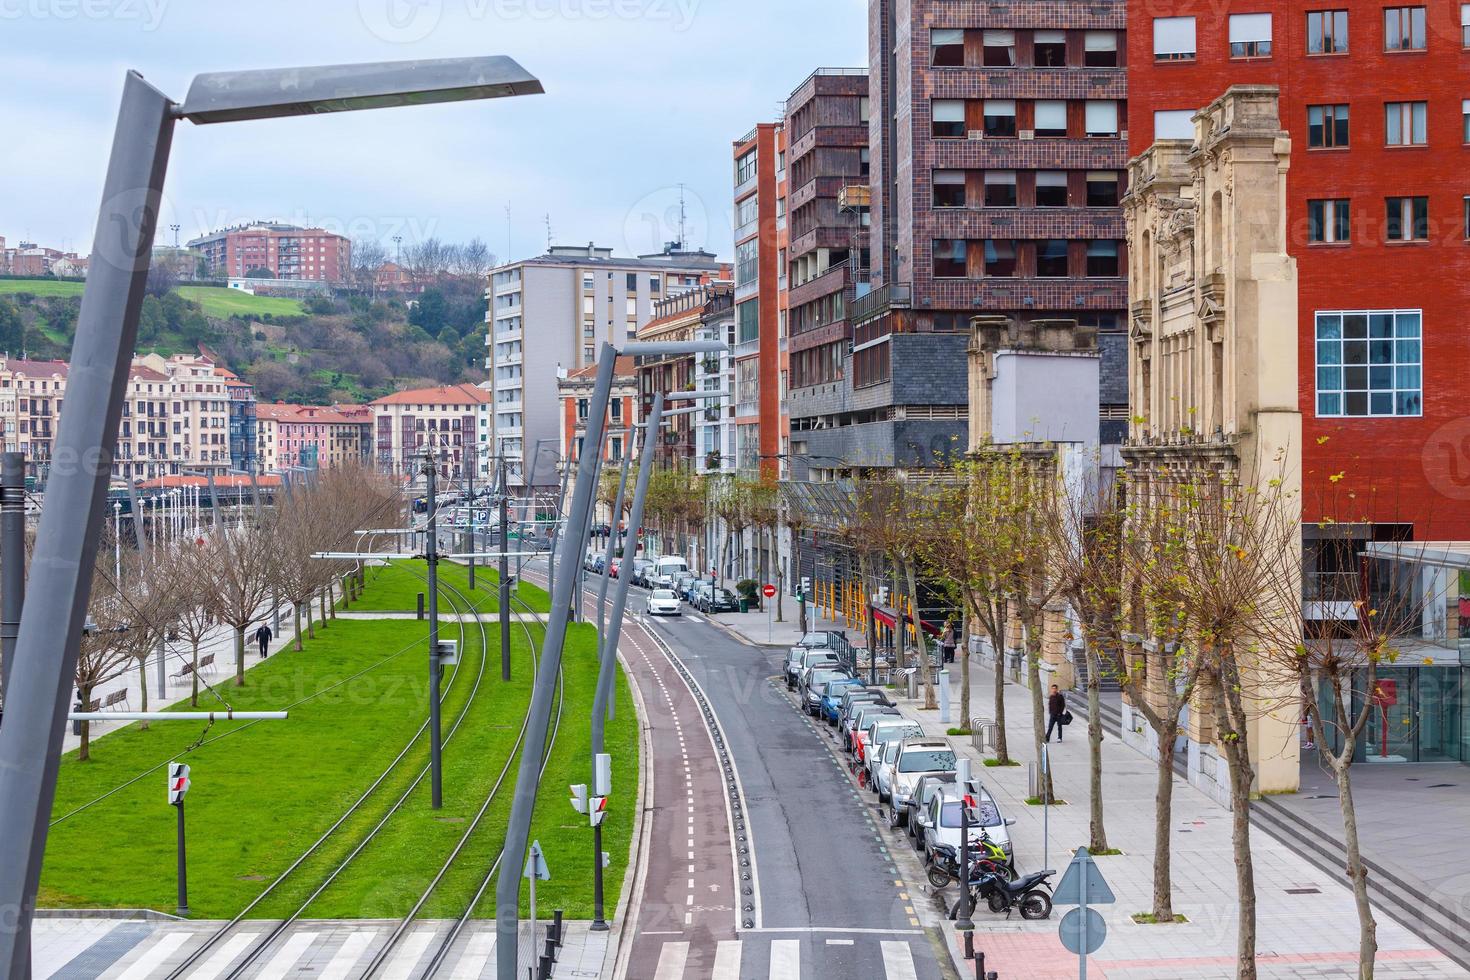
{"x": 508, "y": 250}
{"x": 683, "y": 218}
{"x": 548, "y": 231}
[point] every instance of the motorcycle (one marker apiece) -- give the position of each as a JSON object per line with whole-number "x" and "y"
{"x": 985, "y": 857}
{"x": 1030, "y": 895}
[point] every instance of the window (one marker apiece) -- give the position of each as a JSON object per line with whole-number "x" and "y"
{"x": 1102, "y": 117}
{"x": 865, "y": 162}
{"x": 1102, "y": 259}
{"x": 1250, "y": 35}
{"x": 1329, "y": 221}
{"x": 587, "y": 280}
{"x": 1051, "y": 188}
{"x": 949, "y": 188}
{"x": 632, "y": 282}
{"x": 1051, "y": 258}
{"x": 949, "y": 119}
{"x": 1327, "y": 32}
{"x": 1049, "y": 49}
{"x": 999, "y": 49}
{"x": 1000, "y": 117}
{"x": 1102, "y": 188}
{"x": 1404, "y": 123}
{"x": 1173, "y": 38}
{"x": 1403, "y": 28}
{"x": 747, "y": 261}
{"x": 745, "y": 168}
{"x": 950, "y": 256}
{"x": 748, "y": 321}
{"x": 1369, "y": 363}
{"x": 1051, "y": 118}
{"x": 1000, "y": 188}
{"x": 1467, "y": 219}
{"x": 655, "y": 284}
{"x": 1000, "y": 258}
{"x": 1465, "y": 25}
{"x": 1465, "y": 120}
{"x": 1174, "y": 124}
{"x": 1100, "y": 49}
{"x": 1327, "y": 126}
{"x": 1408, "y": 219}
{"x": 747, "y": 211}
{"x": 947, "y": 48}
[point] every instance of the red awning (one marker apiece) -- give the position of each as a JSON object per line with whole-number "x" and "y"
{"x": 886, "y": 618}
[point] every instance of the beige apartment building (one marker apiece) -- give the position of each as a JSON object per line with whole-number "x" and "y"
{"x": 453, "y": 420}
{"x": 1212, "y": 364}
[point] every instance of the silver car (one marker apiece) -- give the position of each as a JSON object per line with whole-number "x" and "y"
{"x": 796, "y": 662}
{"x": 811, "y": 684}
{"x": 918, "y": 807}
{"x": 881, "y": 735}
{"x": 942, "y": 823}
{"x": 861, "y": 717}
{"x": 915, "y": 758}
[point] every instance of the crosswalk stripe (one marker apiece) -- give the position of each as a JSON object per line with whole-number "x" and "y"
{"x": 283, "y": 961}
{"x": 671, "y": 961}
{"x": 224, "y": 956}
{"x": 785, "y": 959}
{"x": 727, "y": 960}
{"x": 342, "y": 962}
{"x": 400, "y": 966}
{"x": 898, "y": 960}
{"x": 476, "y": 954}
{"x": 154, "y": 955}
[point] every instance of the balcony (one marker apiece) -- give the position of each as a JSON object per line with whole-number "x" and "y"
{"x": 880, "y": 299}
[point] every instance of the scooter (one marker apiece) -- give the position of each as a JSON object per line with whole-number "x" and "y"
{"x": 985, "y": 857}
{"x": 1031, "y": 894}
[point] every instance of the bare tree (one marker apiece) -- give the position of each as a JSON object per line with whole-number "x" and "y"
{"x": 239, "y": 565}
{"x": 368, "y": 258}
{"x": 474, "y": 260}
{"x": 106, "y": 648}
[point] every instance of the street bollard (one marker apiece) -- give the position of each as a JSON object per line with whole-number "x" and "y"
{"x": 544, "y": 970}
{"x": 421, "y": 605}
{"x": 556, "y": 926}
{"x": 969, "y": 944}
{"x": 550, "y": 952}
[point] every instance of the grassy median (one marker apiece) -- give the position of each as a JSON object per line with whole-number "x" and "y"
{"x": 395, "y": 587}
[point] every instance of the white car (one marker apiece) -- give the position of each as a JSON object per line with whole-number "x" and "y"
{"x": 663, "y": 602}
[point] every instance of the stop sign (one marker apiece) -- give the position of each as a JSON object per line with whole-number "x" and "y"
{"x": 769, "y": 591}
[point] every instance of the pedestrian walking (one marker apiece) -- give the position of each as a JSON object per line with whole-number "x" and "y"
{"x": 263, "y": 637}
{"x": 947, "y": 642}
{"x": 1056, "y": 711}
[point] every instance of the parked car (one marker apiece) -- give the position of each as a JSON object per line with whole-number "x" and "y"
{"x": 684, "y": 584}
{"x": 883, "y": 735}
{"x": 615, "y": 567}
{"x": 718, "y": 601}
{"x": 857, "y": 725}
{"x": 663, "y": 602}
{"x": 832, "y": 697}
{"x": 833, "y": 640}
{"x": 916, "y": 757}
{"x": 806, "y": 660}
{"x": 941, "y": 825}
{"x": 811, "y": 681}
{"x": 918, "y": 804}
{"x": 666, "y": 569}
{"x": 851, "y": 701}
{"x": 641, "y": 568}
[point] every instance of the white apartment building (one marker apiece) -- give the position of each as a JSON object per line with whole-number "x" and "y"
{"x": 454, "y": 420}
{"x": 550, "y": 314}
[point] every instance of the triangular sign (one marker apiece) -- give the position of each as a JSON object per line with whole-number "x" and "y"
{"x": 1069, "y": 890}
{"x": 536, "y": 863}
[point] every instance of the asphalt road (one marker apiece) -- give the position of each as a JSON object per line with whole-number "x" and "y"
{"x": 831, "y": 901}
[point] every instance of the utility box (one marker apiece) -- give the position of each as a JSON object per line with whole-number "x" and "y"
{"x": 448, "y": 653}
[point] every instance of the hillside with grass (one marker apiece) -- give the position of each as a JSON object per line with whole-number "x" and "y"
{"x": 323, "y": 349}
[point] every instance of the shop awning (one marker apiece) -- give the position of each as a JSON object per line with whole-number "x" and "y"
{"x": 884, "y": 616}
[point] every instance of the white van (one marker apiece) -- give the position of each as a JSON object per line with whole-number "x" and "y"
{"x": 666, "y": 569}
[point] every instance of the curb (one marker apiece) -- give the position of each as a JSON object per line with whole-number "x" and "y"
{"x": 147, "y": 915}
{"x": 630, "y": 900}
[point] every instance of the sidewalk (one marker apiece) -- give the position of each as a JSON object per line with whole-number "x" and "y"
{"x": 760, "y": 627}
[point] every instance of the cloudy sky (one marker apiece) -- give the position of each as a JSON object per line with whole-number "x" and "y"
{"x": 642, "y": 95}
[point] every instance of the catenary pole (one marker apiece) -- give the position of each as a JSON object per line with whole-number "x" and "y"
{"x": 71, "y": 523}
{"x": 504, "y": 574}
{"x": 517, "y": 836}
{"x": 612, "y": 540}
{"x": 431, "y": 554}
{"x": 12, "y": 558}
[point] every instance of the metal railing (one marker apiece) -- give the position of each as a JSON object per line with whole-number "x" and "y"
{"x": 889, "y": 296}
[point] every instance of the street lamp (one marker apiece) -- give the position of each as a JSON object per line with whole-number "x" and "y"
{"x": 117, "y": 541}
{"x": 106, "y": 334}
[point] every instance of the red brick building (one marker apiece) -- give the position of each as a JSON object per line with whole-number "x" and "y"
{"x": 575, "y": 392}
{"x": 283, "y": 251}
{"x": 1376, "y": 99}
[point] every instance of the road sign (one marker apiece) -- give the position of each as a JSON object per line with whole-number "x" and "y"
{"x": 602, "y": 785}
{"x": 579, "y": 797}
{"x": 178, "y": 782}
{"x": 536, "y": 863}
{"x": 1083, "y": 931}
{"x": 769, "y": 591}
{"x": 1083, "y": 869}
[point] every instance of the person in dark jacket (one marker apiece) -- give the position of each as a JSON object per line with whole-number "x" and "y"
{"x": 1056, "y": 707}
{"x": 263, "y": 637}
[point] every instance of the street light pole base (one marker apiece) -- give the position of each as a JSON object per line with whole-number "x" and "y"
{"x": 599, "y": 925}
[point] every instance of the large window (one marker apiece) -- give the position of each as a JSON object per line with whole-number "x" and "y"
{"x": 1051, "y": 258}
{"x": 949, "y": 118}
{"x": 1000, "y": 258}
{"x": 1369, "y": 363}
{"x": 947, "y": 48}
{"x": 1465, "y": 120}
{"x": 1327, "y": 32}
{"x": 950, "y": 255}
{"x": 1174, "y": 39}
{"x": 1329, "y": 221}
{"x": 1100, "y": 49}
{"x": 745, "y": 168}
{"x": 1408, "y": 219}
{"x": 1000, "y": 188}
{"x": 999, "y": 49}
{"x": 748, "y": 321}
{"x": 1051, "y": 117}
{"x": 1465, "y": 25}
{"x": 1403, "y": 29}
{"x": 1327, "y": 126}
{"x": 1051, "y": 188}
{"x": 1000, "y": 117}
{"x": 1102, "y": 188}
{"x": 747, "y": 261}
{"x": 1405, "y": 123}
{"x": 949, "y": 188}
{"x": 1250, "y": 35}
{"x": 1102, "y": 259}
{"x": 1049, "y": 49}
{"x": 1102, "y": 117}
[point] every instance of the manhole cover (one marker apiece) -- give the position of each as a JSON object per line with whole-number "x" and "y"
{"x": 1304, "y": 891}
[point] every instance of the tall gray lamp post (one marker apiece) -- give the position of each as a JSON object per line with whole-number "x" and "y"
{"x": 107, "y": 327}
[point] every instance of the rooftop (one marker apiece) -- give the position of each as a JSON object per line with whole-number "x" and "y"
{"x": 448, "y": 395}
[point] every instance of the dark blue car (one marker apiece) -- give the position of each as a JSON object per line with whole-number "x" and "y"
{"x": 832, "y": 697}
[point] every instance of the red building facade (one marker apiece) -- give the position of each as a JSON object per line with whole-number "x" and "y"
{"x": 1376, "y": 99}
{"x": 283, "y": 251}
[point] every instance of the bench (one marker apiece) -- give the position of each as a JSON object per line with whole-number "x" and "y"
{"x": 93, "y": 707}
{"x": 115, "y": 698}
{"x": 206, "y": 661}
{"x": 184, "y": 671}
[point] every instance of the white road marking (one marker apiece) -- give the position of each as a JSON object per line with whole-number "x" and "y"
{"x": 400, "y": 967}
{"x": 785, "y": 959}
{"x": 283, "y": 961}
{"x": 839, "y": 942}
{"x": 154, "y": 956}
{"x": 898, "y": 961}
{"x": 671, "y": 961}
{"x": 727, "y": 960}
{"x": 341, "y": 964}
{"x": 225, "y": 955}
{"x": 476, "y": 955}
